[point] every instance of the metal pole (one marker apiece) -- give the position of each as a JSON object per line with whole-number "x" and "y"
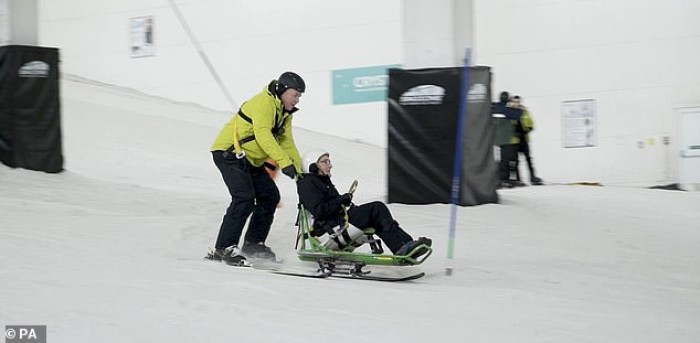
{"x": 457, "y": 171}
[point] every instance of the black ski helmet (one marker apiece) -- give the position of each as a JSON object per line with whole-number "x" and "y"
{"x": 290, "y": 80}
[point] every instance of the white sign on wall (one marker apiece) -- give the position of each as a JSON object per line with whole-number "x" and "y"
{"x": 579, "y": 123}
{"x": 141, "y": 37}
{"x": 689, "y": 145}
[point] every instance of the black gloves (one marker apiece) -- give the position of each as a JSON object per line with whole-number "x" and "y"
{"x": 345, "y": 199}
{"x": 290, "y": 171}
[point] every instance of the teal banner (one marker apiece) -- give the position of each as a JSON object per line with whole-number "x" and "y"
{"x": 357, "y": 85}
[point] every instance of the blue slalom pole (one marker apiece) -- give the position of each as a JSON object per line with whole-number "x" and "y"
{"x": 457, "y": 171}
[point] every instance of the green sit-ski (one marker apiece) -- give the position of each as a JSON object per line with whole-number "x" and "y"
{"x": 311, "y": 249}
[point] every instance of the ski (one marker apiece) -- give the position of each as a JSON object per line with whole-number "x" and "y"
{"x": 242, "y": 263}
{"x": 379, "y": 278}
{"x": 320, "y": 275}
{"x": 245, "y": 260}
{"x": 317, "y": 275}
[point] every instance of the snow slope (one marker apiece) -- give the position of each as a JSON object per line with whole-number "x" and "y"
{"x": 111, "y": 249}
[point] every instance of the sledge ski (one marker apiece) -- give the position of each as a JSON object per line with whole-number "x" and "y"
{"x": 316, "y": 275}
{"x": 381, "y": 278}
{"x": 344, "y": 269}
{"x": 363, "y": 276}
{"x": 327, "y": 269}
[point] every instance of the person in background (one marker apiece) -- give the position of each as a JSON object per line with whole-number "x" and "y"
{"x": 506, "y": 120}
{"x": 261, "y": 130}
{"x": 320, "y": 197}
{"x": 522, "y": 131}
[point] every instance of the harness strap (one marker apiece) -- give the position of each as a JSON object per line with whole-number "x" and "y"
{"x": 277, "y": 130}
{"x": 245, "y": 117}
{"x": 236, "y": 144}
{"x": 240, "y": 153}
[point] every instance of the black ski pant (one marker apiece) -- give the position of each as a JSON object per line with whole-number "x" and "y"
{"x": 252, "y": 191}
{"x": 524, "y": 148}
{"x": 506, "y": 166}
{"x": 376, "y": 215}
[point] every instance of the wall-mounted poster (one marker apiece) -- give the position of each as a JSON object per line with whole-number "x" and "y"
{"x": 579, "y": 123}
{"x": 141, "y": 37}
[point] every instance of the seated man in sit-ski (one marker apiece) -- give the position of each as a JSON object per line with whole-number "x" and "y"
{"x": 320, "y": 197}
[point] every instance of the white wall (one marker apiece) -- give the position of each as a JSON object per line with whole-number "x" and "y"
{"x": 637, "y": 59}
{"x": 248, "y": 42}
{"x": 5, "y": 31}
{"x": 436, "y": 33}
{"x": 18, "y": 22}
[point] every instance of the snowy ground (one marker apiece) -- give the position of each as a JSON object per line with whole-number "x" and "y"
{"x": 111, "y": 249}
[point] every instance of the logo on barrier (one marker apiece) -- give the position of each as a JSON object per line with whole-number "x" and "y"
{"x": 34, "y": 69}
{"x": 423, "y": 95}
{"x": 477, "y": 93}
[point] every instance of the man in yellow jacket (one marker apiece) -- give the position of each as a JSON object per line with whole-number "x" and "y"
{"x": 261, "y": 130}
{"x": 523, "y": 131}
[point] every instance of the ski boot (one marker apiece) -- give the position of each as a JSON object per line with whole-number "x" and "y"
{"x": 231, "y": 256}
{"x": 258, "y": 251}
{"x": 408, "y": 247}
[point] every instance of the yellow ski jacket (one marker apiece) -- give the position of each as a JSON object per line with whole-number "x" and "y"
{"x": 527, "y": 123}
{"x": 264, "y": 130}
